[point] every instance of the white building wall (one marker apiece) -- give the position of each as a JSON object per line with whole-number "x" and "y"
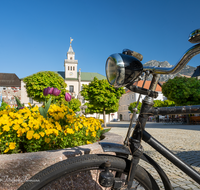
{"x": 24, "y": 96}
{"x": 123, "y": 112}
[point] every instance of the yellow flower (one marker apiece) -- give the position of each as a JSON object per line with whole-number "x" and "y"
{"x": 42, "y": 134}
{"x": 58, "y": 126}
{"x": 70, "y": 131}
{"x": 12, "y": 145}
{"x": 94, "y": 133}
{"x": 24, "y": 125}
{"x": 16, "y": 127}
{"x": 88, "y": 142}
{"x": 7, "y": 149}
{"x": 19, "y": 132}
{"x": 36, "y": 136}
{"x": 6, "y": 128}
{"x": 47, "y": 140}
{"x": 29, "y": 135}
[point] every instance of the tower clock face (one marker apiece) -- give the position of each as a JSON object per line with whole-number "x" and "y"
{"x": 70, "y": 74}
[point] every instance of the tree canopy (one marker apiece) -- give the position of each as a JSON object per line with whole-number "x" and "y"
{"x": 132, "y": 105}
{"x": 182, "y": 90}
{"x": 165, "y": 103}
{"x": 36, "y": 83}
{"x": 101, "y": 96}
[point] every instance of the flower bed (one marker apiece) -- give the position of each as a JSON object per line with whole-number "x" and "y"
{"x": 26, "y": 130}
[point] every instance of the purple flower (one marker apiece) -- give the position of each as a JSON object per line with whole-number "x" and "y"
{"x": 56, "y": 92}
{"x": 46, "y": 91}
{"x": 51, "y": 90}
{"x": 68, "y": 97}
{"x": 21, "y": 108}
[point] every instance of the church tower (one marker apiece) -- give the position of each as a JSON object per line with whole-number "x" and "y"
{"x": 70, "y": 63}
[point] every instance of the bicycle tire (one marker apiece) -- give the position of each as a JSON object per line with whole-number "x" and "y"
{"x": 53, "y": 176}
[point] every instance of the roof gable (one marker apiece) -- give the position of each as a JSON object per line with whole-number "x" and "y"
{"x": 147, "y": 85}
{"x": 9, "y": 80}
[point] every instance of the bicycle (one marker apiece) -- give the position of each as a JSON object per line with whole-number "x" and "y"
{"x": 122, "y": 171}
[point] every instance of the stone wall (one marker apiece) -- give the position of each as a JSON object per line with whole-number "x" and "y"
{"x": 8, "y": 94}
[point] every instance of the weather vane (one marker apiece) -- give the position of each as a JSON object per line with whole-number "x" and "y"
{"x": 71, "y": 41}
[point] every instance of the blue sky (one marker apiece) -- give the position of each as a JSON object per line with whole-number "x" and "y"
{"x": 35, "y": 34}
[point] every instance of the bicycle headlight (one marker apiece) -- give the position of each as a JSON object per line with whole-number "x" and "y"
{"x": 122, "y": 70}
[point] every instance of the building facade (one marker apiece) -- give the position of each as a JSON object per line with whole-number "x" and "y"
{"x": 74, "y": 79}
{"x": 124, "y": 114}
{"x": 10, "y": 86}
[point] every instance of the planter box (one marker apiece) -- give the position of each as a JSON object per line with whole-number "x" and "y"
{"x": 15, "y": 169}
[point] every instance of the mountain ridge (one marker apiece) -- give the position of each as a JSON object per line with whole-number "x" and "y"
{"x": 186, "y": 71}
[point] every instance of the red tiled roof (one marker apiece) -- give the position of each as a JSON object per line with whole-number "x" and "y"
{"x": 146, "y": 85}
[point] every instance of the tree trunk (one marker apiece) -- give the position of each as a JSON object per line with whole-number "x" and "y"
{"x": 104, "y": 117}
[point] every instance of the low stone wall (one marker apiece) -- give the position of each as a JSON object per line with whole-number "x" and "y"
{"x": 15, "y": 169}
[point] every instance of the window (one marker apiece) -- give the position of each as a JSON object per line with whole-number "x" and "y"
{"x": 71, "y": 88}
{"x": 73, "y": 68}
{"x": 30, "y": 100}
{"x": 83, "y": 101}
{"x": 68, "y": 68}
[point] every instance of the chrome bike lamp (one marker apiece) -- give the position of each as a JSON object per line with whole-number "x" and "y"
{"x": 122, "y": 70}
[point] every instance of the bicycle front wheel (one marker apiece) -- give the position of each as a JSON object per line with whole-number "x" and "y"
{"x": 82, "y": 173}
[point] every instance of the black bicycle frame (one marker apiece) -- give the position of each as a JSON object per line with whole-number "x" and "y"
{"x": 139, "y": 132}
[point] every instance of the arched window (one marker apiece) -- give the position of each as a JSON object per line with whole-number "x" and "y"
{"x": 73, "y": 68}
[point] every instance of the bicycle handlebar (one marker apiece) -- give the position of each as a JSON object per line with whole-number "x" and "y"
{"x": 189, "y": 54}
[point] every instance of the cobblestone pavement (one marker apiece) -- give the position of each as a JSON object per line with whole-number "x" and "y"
{"x": 182, "y": 140}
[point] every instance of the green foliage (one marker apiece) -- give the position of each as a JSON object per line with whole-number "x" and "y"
{"x": 132, "y": 106}
{"x": 29, "y": 131}
{"x": 101, "y": 96}
{"x": 165, "y": 103}
{"x": 3, "y": 105}
{"x": 36, "y": 83}
{"x": 43, "y": 111}
{"x": 182, "y": 90}
{"x": 74, "y": 104}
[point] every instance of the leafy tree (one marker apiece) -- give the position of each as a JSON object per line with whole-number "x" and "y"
{"x": 132, "y": 105}
{"x": 102, "y": 97}
{"x": 182, "y": 90}
{"x": 36, "y": 83}
{"x": 165, "y": 103}
{"x": 74, "y": 104}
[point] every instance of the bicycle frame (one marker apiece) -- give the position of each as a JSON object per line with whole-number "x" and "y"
{"x": 132, "y": 146}
{"x": 121, "y": 72}
{"x": 139, "y": 132}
